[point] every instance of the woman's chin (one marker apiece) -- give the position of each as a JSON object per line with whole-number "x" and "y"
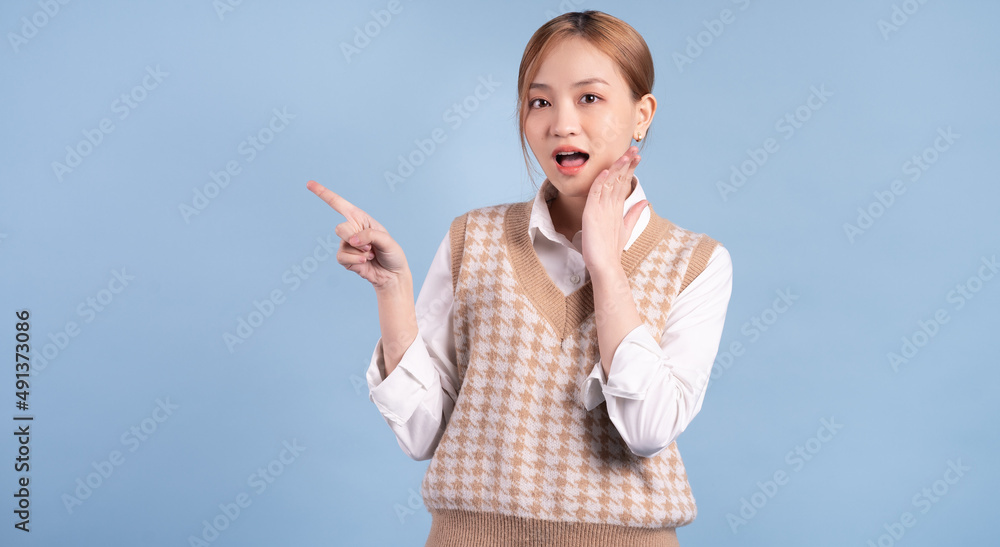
{"x": 574, "y": 186}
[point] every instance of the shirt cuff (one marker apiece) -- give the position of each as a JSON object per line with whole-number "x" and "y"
{"x": 633, "y": 367}
{"x": 398, "y": 395}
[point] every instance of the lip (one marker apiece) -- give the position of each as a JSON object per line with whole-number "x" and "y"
{"x": 569, "y": 170}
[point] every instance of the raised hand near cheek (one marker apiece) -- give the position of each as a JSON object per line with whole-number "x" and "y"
{"x": 605, "y": 232}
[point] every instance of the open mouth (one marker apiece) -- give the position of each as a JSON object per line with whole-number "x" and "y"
{"x": 571, "y": 159}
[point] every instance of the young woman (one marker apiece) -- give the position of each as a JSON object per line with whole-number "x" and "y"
{"x": 558, "y": 346}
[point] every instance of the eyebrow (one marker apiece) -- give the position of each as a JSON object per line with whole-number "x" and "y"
{"x": 536, "y": 85}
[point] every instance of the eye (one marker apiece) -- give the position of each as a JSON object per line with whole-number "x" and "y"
{"x": 587, "y": 96}
{"x": 534, "y": 103}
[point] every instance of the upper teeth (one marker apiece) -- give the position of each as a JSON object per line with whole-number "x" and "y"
{"x": 562, "y": 153}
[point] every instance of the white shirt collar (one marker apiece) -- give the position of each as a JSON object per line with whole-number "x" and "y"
{"x": 540, "y": 222}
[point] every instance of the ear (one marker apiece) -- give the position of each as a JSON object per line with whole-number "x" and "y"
{"x": 645, "y": 109}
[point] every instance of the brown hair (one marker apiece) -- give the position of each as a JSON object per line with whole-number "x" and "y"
{"x": 614, "y": 37}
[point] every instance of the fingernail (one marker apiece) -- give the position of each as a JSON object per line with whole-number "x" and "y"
{"x": 354, "y": 240}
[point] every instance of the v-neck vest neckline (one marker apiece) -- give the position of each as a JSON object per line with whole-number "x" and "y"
{"x": 565, "y": 312}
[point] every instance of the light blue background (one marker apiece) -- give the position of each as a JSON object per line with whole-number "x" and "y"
{"x": 298, "y": 377}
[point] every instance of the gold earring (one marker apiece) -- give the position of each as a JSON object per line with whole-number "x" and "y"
{"x": 639, "y": 138}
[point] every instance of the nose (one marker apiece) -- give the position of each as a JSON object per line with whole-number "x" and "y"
{"x": 566, "y": 121}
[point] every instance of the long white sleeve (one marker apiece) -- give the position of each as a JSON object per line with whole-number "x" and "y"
{"x": 656, "y": 388}
{"x": 416, "y": 400}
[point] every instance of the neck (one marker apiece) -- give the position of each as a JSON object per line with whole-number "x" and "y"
{"x": 567, "y": 214}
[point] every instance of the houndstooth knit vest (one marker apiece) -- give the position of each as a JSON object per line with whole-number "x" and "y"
{"x": 521, "y": 461}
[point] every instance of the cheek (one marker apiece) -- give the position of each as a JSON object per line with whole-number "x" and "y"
{"x": 534, "y": 147}
{"x": 534, "y": 134}
{"x": 608, "y": 131}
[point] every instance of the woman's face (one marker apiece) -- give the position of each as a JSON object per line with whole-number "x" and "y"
{"x": 579, "y": 101}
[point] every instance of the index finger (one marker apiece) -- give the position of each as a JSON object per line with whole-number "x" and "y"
{"x": 628, "y": 157}
{"x": 628, "y": 169}
{"x": 630, "y": 176}
{"x": 338, "y": 203}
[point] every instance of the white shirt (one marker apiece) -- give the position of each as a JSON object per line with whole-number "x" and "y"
{"x": 654, "y": 390}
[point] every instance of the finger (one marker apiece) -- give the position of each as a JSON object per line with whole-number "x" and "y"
{"x": 372, "y": 223}
{"x": 632, "y": 217}
{"x": 602, "y": 177}
{"x": 346, "y": 230}
{"x": 338, "y": 203}
{"x": 348, "y": 256}
{"x": 353, "y": 255}
{"x": 623, "y": 178}
{"x": 378, "y": 239}
{"x": 626, "y": 188}
{"x": 618, "y": 168}
{"x": 596, "y": 189}
{"x": 611, "y": 192}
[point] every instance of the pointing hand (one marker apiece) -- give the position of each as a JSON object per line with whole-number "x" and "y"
{"x": 365, "y": 247}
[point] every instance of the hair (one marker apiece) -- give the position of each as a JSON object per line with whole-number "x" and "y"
{"x": 612, "y": 36}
